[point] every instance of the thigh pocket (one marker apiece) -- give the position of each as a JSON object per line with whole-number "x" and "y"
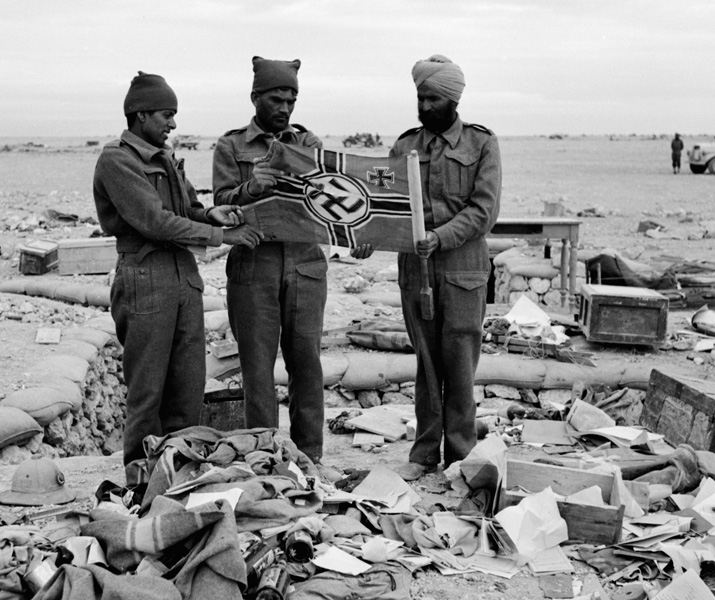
{"x": 465, "y": 293}
{"x": 141, "y": 289}
{"x": 311, "y": 294}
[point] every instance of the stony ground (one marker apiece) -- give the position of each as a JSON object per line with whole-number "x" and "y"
{"x": 624, "y": 180}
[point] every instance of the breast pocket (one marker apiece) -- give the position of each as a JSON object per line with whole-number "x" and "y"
{"x": 461, "y": 169}
{"x": 465, "y": 295}
{"x": 311, "y": 294}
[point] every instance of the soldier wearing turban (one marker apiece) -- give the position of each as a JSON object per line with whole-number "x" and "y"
{"x": 460, "y": 171}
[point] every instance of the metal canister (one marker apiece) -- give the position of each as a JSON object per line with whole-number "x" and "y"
{"x": 299, "y": 546}
{"x": 274, "y": 583}
{"x": 39, "y": 575}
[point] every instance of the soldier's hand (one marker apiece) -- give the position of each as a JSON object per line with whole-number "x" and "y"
{"x": 428, "y": 245}
{"x": 362, "y": 251}
{"x": 245, "y": 235}
{"x": 263, "y": 178}
{"x": 227, "y": 215}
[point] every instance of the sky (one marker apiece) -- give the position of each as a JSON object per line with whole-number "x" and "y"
{"x": 532, "y": 67}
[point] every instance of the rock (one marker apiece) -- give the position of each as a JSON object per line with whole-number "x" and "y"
{"x": 408, "y": 389}
{"x": 368, "y": 398}
{"x": 387, "y": 274}
{"x": 333, "y": 399}
{"x": 478, "y": 394}
{"x": 14, "y": 455}
{"x": 501, "y": 391}
{"x": 518, "y": 284}
{"x": 55, "y": 433}
{"x": 356, "y": 284}
{"x": 396, "y": 398}
{"x": 547, "y": 397}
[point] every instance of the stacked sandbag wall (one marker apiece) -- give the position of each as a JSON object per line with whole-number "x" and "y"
{"x": 72, "y": 403}
{"x": 526, "y": 272}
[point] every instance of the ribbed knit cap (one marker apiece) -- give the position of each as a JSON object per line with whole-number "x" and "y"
{"x": 149, "y": 92}
{"x": 271, "y": 74}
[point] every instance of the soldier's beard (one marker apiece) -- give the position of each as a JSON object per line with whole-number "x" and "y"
{"x": 437, "y": 122}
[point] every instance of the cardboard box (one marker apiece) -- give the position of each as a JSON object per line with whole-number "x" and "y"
{"x": 38, "y": 257}
{"x": 623, "y": 315}
{"x": 682, "y": 409}
{"x": 87, "y": 256}
{"x": 592, "y": 524}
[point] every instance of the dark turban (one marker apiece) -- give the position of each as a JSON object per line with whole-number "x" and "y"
{"x": 271, "y": 74}
{"x": 440, "y": 75}
{"x": 148, "y": 93}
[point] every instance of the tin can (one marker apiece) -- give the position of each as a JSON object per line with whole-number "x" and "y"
{"x": 40, "y": 575}
{"x": 259, "y": 557}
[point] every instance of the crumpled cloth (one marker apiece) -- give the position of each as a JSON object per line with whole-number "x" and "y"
{"x": 387, "y": 581}
{"x": 88, "y": 583}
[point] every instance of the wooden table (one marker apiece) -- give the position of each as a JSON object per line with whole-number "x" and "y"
{"x": 548, "y": 228}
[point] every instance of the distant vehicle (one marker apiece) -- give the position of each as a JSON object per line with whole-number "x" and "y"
{"x": 362, "y": 139}
{"x": 702, "y": 157}
{"x": 189, "y": 142}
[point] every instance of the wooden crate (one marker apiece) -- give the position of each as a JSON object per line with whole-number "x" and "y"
{"x": 87, "y": 256}
{"x": 592, "y": 524}
{"x": 224, "y": 409}
{"x": 680, "y": 408}
{"x": 38, "y": 257}
{"x": 623, "y": 315}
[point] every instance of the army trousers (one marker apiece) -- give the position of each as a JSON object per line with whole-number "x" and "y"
{"x": 447, "y": 348}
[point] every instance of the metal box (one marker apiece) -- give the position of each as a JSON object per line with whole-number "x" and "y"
{"x": 680, "y": 408}
{"x": 38, "y": 257}
{"x": 87, "y": 256}
{"x": 224, "y": 409}
{"x": 623, "y": 315}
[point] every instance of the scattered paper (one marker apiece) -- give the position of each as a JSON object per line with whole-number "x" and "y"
{"x": 198, "y": 498}
{"x": 686, "y": 587}
{"x": 335, "y": 559}
{"x": 534, "y": 524}
{"x": 551, "y": 561}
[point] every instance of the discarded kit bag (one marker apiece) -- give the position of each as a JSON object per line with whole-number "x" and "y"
{"x": 381, "y": 334}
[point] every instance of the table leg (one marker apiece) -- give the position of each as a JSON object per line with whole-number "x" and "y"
{"x": 573, "y": 268}
{"x": 564, "y": 272}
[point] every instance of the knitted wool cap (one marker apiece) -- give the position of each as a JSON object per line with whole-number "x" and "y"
{"x": 149, "y": 92}
{"x": 271, "y": 74}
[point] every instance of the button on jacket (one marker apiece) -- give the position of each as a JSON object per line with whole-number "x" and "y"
{"x": 460, "y": 172}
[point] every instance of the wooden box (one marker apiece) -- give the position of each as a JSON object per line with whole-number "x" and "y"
{"x": 38, "y": 257}
{"x": 623, "y": 315}
{"x": 592, "y": 524}
{"x": 224, "y": 409}
{"x": 87, "y": 256}
{"x": 682, "y": 409}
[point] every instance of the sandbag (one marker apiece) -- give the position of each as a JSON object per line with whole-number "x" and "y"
{"x": 16, "y": 426}
{"x": 104, "y": 323}
{"x": 98, "y": 295}
{"x": 13, "y": 286}
{"x": 98, "y": 338}
{"x": 63, "y": 365}
{"x": 212, "y": 303}
{"x": 42, "y": 287}
{"x": 75, "y": 293}
{"x": 79, "y": 348}
{"x": 334, "y": 368}
{"x": 368, "y": 371}
{"x": 381, "y": 298}
{"x": 43, "y": 404}
{"x": 70, "y": 389}
{"x": 216, "y": 320}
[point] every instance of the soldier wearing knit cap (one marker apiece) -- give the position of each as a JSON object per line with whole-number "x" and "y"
{"x": 144, "y": 199}
{"x": 276, "y": 293}
{"x": 460, "y": 171}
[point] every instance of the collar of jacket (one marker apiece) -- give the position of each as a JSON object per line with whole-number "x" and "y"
{"x": 254, "y": 131}
{"x": 452, "y": 135}
{"x": 144, "y": 149}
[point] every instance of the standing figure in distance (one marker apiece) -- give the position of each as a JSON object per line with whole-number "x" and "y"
{"x": 460, "y": 170}
{"x": 143, "y": 198}
{"x": 676, "y": 148}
